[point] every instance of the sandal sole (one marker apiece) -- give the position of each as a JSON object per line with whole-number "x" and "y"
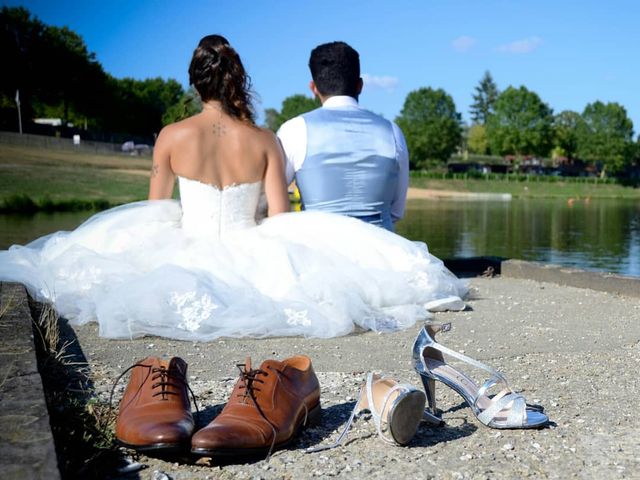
{"x": 406, "y": 415}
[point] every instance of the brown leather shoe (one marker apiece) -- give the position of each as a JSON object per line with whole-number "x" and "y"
{"x": 266, "y": 409}
{"x": 155, "y": 413}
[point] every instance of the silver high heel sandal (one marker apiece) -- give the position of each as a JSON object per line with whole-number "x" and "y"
{"x": 396, "y": 410}
{"x": 506, "y": 409}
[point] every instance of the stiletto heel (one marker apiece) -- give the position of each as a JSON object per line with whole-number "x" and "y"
{"x": 396, "y": 410}
{"x": 430, "y": 414}
{"x": 430, "y": 390}
{"x": 506, "y": 409}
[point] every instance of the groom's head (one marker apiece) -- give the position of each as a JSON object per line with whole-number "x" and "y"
{"x": 335, "y": 69}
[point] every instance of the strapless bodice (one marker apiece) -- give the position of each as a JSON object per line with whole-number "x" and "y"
{"x": 213, "y": 211}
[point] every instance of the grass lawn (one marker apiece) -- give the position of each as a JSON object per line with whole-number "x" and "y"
{"x": 62, "y": 179}
{"x": 66, "y": 176}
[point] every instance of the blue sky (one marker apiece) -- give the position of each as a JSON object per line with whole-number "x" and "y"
{"x": 569, "y": 52}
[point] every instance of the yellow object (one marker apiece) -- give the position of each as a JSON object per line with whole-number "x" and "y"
{"x": 294, "y": 198}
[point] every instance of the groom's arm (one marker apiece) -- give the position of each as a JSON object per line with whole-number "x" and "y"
{"x": 402, "y": 157}
{"x": 293, "y": 138}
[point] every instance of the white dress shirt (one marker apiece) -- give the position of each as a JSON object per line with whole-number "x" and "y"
{"x": 293, "y": 136}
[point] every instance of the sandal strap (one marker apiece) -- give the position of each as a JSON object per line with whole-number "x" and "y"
{"x": 377, "y": 415}
{"x": 517, "y": 414}
{"x": 482, "y": 391}
{"x": 343, "y": 434}
{"x": 386, "y": 434}
{"x": 494, "y": 373}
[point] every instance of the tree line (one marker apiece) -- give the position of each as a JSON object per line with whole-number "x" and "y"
{"x": 514, "y": 122}
{"x": 58, "y": 77}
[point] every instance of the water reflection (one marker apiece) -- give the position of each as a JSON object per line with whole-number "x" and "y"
{"x": 597, "y": 234}
{"x": 21, "y": 229}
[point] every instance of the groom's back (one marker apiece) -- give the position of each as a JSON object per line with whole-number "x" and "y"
{"x": 350, "y": 165}
{"x": 345, "y": 159}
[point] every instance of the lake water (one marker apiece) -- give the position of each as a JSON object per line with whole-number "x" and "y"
{"x": 599, "y": 234}
{"x": 596, "y": 234}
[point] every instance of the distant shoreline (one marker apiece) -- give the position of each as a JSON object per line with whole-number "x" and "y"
{"x": 429, "y": 193}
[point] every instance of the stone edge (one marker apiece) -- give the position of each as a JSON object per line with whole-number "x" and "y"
{"x": 571, "y": 277}
{"x": 27, "y": 448}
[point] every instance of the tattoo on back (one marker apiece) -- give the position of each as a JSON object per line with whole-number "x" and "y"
{"x": 219, "y": 129}
{"x": 154, "y": 170}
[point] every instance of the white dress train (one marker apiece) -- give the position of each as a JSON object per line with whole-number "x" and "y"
{"x": 204, "y": 267}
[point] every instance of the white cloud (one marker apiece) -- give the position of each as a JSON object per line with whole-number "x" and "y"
{"x": 463, "y": 44}
{"x": 526, "y": 45}
{"x": 384, "y": 82}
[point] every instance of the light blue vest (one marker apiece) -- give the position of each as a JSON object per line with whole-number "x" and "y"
{"x": 350, "y": 167}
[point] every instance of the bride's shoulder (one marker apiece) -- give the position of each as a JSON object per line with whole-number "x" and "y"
{"x": 258, "y": 134}
{"x": 267, "y": 133}
{"x": 179, "y": 130}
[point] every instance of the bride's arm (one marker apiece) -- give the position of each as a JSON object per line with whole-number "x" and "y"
{"x": 275, "y": 184}
{"x": 162, "y": 176}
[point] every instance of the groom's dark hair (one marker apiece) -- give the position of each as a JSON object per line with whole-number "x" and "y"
{"x": 335, "y": 69}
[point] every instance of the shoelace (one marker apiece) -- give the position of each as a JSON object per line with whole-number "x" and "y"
{"x": 164, "y": 374}
{"x": 249, "y": 379}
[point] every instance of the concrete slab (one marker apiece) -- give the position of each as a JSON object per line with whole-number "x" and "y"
{"x": 26, "y": 443}
{"x": 544, "y": 272}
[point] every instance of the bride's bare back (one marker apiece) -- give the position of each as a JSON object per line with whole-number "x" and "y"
{"x": 216, "y": 149}
{"x": 220, "y": 146}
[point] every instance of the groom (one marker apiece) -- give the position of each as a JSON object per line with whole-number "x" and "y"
{"x": 345, "y": 159}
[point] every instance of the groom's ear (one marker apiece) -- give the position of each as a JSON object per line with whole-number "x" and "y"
{"x": 360, "y": 85}
{"x": 314, "y": 89}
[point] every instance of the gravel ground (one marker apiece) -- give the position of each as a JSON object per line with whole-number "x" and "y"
{"x": 575, "y": 351}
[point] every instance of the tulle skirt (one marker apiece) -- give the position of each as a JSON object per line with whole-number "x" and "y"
{"x": 136, "y": 271}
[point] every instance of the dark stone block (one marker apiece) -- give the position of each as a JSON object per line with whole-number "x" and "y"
{"x": 26, "y": 442}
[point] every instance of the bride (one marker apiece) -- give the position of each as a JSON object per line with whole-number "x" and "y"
{"x": 210, "y": 264}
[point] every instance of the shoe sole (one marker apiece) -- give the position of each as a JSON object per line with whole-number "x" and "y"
{"x": 406, "y": 415}
{"x": 313, "y": 418}
{"x": 157, "y": 447}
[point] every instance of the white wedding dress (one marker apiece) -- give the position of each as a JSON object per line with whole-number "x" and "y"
{"x": 204, "y": 267}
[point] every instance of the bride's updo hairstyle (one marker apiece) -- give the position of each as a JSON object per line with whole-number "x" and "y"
{"x": 216, "y": 72}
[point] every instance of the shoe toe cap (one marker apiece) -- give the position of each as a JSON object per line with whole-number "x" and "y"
{"x": 155, "y": 432}
{"x": 230, "y": 435}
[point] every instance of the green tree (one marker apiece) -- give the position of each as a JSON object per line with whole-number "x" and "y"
{"x": 521, "y": 124}
{"x": 431, "y": 125}
{"x": 188, "y": 105}
{"x": 606, "y": 135}
{"x": 291, "y": 107}
{"x": 58, "y": 76}
{"x": 477, "y": 139}
{"x": 484, "y": 99}
{"x": 565, "y": 133}
{"x": 69, "y": 57}
{"x": 139, "y": 105}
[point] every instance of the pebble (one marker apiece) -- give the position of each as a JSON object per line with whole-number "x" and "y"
{"x": 565, "y": 376}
